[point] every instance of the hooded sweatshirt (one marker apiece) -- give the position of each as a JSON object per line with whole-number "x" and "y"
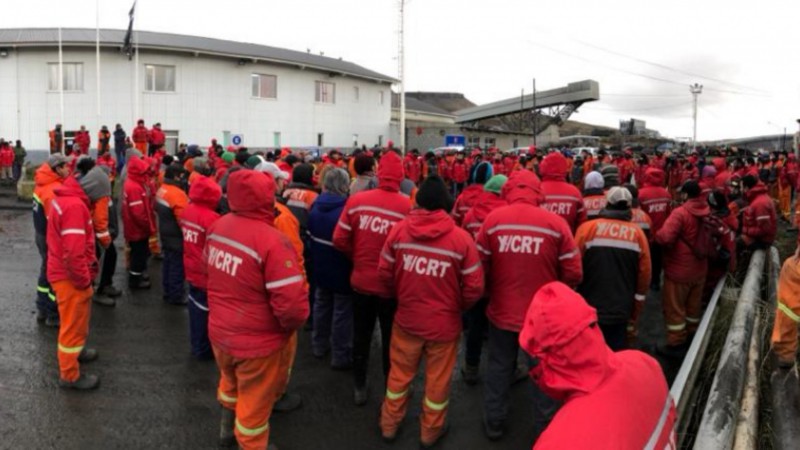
{"x": 97, "y": 186}
{"x": 654, "y": 199}
{"x": 723, "y": 175}
{"x": 70, "y": 237}
{"x": 524, "y": 247}
{"x": 331, "y": 268}
{"x": 365, "y": 223}
{"x": 199, "y": 215}
{"x": 677, "y": 236}
{"x": 760, "y": 219}
{"x": 594, "y": 199}
{"x": 257, "y": 295}
{"x": 484, "y": 204}
{"x": 138, "y": 218}
{"x": 616, "y": 400}
{"x": 46, "y": 182}
{"x": 560, "y": 197}
{"x": 435, "y": 272}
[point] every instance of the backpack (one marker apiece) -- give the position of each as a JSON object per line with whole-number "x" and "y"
{"x": 708, "y": 240}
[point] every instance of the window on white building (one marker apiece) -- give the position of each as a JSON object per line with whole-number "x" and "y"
{"x": 326, "y": 92}
{"x": 159, "y": 78}
{"x": 355, "y": 94}
{"x": 488, "y": 142}
{"x": 276, "y": 139}
{"x": 380, "y": 97}
{"x": 72, "y": 77}
{"x": 474, "y": 141}
{"x": 264, "y": 86}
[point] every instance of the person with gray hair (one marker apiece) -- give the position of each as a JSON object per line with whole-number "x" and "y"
{"x": 333, "y": 304}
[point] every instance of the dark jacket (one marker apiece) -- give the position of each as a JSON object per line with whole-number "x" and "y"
{"x": 171, "y": 201}
{"x": 331, "y": 268}
{"x": 119, "y": 139}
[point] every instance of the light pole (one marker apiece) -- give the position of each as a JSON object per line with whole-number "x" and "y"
{"x": 695, "y": 89}
{"x": 401, "y": 70}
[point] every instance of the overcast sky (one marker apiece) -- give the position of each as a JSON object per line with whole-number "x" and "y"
{"x": 644, "y": 54}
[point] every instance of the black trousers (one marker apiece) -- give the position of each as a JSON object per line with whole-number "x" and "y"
{"x": 616, "y": 335}
{"x": 109, "y": 265}
{"x": 140, "y": 252}
{"x": 657, "y": 263}
{"x": 366, "y": 309}
{"x": 478, "y": 324}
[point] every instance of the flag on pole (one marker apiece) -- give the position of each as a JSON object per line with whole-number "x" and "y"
{"x": 127, "y": 44}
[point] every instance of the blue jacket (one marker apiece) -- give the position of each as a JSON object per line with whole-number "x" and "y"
{"x": 331, "y": 267}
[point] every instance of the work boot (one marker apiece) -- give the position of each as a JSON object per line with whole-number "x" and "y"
{"x": 432, "y": 444}
{"x": 40, "y": 316}
{"x": 141, "y": 284}
{"x": 360, "y": 395}
{"x": 87, "y": 355}
{"x": 84, "y": 383}
{"x": 104, "y": 301}
{"x": 287, "y": 403}
{"x": 470, "y": 374}
{"x": 109, "y": 291}
{"x": 145, "y": 276}
{"x": 226, "y": 424}
{"x": 494, "y": 430}
{"x": 52, "y": 322}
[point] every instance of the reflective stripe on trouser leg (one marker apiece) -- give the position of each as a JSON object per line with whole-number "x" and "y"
{"x": 404, "y": 353}
{"x": 674, "y": 304}
{"x": 440, "y": 359}
{"x": 74, "y": 307}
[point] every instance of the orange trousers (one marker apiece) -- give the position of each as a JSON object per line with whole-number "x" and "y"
{"x": 785, "y": 201}
{"x": 142, "y": 147}
{"x": 682, "y": 309}
{"x": 250, "y": 387}
{"x": 787, "y": 315}
{"x": 75, "y": 309}
{"x": 405, "y": 354}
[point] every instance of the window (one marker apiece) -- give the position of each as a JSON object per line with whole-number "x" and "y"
{"x": 72, "y": 77}
{"x": 159, "y": 78}
{"x": 264, "y": 86}
{"x": 474, "y": 141}
{"x": 488, "y": 142}
{"x": 326, "y": 92}
{"x": 276, "y": 139}
{"x": 355, "y": 94}
{"x": 171, "y": 142}
{"x": 380, "y": 98}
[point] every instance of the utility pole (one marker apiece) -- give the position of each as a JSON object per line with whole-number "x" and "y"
{"x": 535, "y": 126}
{"x": 695, "y": 89}
{"x": 401, "y": 70}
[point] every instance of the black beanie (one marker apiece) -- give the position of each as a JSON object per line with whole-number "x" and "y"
{"x": 433, "y": 195}
{"x": 691, "y": 188}
{"x": 303, "y": 173}
{"x": 749, "y": 181}
{"x": 483, "y": 172}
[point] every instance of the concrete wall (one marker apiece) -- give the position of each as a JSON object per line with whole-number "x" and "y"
{"x": 433, "y": 136}
{"x": 212, "y": 96}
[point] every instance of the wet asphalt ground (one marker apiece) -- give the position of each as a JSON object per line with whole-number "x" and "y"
{"x": 154, "y": 395}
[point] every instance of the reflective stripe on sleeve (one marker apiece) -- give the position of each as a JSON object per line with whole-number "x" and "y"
{"x": 204, "y": 308}
{"x": 251, "y": 431}
{"x": 640, "y": 297}
{"x": 659, "y": 429}
{"x": 568, "y": 255}
{"x": 483, "y": 250}
{"x": 676, "y": 327}
{"x": 57, "y": 208}
{"x": 762, "y": 218}
{"x": 395, "y": 395}
{"x": 137, "y": 202}
{"x": 788, "y": 311}
{"x": 345, "y": 226}
{"x": 162, "y": 202}
{"x": 387, "y": 257}
{"x": 284, "y": 282}
{"x": 65, "y": 349}
{"x": 692, "y": 319}
{"x": 436, "y": 406}
{"x": 320, "y": 240}
{"x": 469, "y": 270}
{"x": 103, "y": 234}
{"x": 67, "y": 231}
{"x": 226, "y": 398}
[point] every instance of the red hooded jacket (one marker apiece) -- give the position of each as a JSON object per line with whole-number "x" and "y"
{"x": 723, "y": 175}
{"x": 484, "y": 204}
{"x": 760, "y": 220}
{"x": 204, "y": 196}
{"x": 654, "y": 199}
{"x": 413, "y": 167}
{"x": 365, "y": 223}
{"x": 677, "y": 236}
{"x": 465, "y": 201}
{"x": 436, "y": 274}
{"x": 83, "y": 139}
{"x": 6, "y": 156}
{"x": 616, "y": 401}
{"x": 70, "y": 237}
{"x": 257, "y": 296}
{"x": 157, "y": 137}
{"x": 140, "y": 134}
{"x": 459, "y": 171}
{"x": 524, "y": 247}
{"x": 138, "y": 216}
{"x": 560, "y": 197}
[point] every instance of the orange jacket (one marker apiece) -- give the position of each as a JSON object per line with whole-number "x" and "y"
{"x": 289, "y": 226}
{"x": 99, "y": 210}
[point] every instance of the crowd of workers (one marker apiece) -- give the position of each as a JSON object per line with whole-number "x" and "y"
{"x": 551, "y": 253}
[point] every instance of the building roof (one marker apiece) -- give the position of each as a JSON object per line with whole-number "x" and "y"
{"x": 47, "y": 37}
{"x": 447, "y": 101}
{"x": 413, "y": 104}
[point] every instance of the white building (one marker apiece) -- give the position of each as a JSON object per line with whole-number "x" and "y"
{"x": 197, "y": 88}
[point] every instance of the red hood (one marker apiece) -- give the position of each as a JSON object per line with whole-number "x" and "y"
{"x": 698, "y": 207}
{"x": 252, "y": 194}
{"x": 560, "y": 330}
{"x": 654, "y": 177}
{"x": 485, "y": 203}
{"x": 759, "y": 189}
{"x": 522, "y": 186}
{"x": 205, "y": 192}
{"x": 426, "y": 225}
{"x": 719, "y": 164}
{"x": 71, "y": 188}
{"x": 553, "y": 167}
{"x": 137, "y": 170}
{"x": 45, "y": 175}
{"x": 390, "y": 172}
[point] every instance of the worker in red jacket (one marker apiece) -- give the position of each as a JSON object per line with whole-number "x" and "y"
{"x": 594, "y": 196}
{"x": 257, "y": 299}
{"x": 204, "y": 196}
{"x": 787, "y": 179}
{"x": 575, "y": 366}
{"x": 436, "y": 274}
{"x": 459, "y": 172}
{"x": 684, "y": 272}
{"x": 71, "y": 267}
{"x": 413, "y": 166}
{"x": 476, "y": 320}
{"x": 466, "y": 200}
{"x": 83, "y": 140}
{"x": 156, "y": 139}
{"x": 656, "y": 201}
{"x": 760, "y": 219}
{"x": 138, "y": 219}
{"x": 360, "y": 234}
{"x": 140, "y": 136}
{"x": 561, "y": 198}
{"x": 523, "y": 247}
{"x": 723, "y": 175}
